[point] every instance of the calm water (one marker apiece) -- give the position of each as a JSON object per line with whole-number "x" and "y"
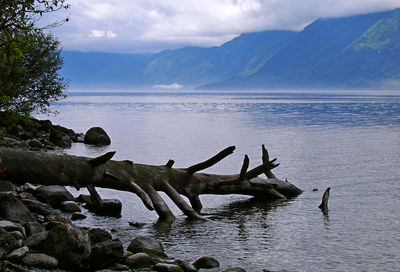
{"x": 350, "y": 142}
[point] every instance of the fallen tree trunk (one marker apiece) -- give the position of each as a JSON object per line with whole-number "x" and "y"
{"x": 146, "y": 180}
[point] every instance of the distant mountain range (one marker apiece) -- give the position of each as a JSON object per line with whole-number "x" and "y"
{"x": 357, "y": 52}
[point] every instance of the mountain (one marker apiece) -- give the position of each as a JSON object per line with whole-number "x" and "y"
{"x": 101, "y": 71}
{"x": 352, "y": 52}
{"x": 355, "y": 52}
{"x": 194, "y": 65}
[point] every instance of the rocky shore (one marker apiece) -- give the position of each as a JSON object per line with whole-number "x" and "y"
{"x": 36, "y": 222}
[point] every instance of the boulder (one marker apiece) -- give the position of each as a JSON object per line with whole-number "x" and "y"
{"x": 53, "y": 194}
{"x": 35, "y": 241}
{"x": 187, "y": 267}
{"x": 139, "y": 260}
{"x": 7, "y": 243}
{"x": 77, "y": 216}
{"x": 40, "y": 260}
{"x": 166, "y": 267}
{"x": 37, "y": 206}
{"x": 35, "y": 143}
{"x": 111, "y": 207}
{"x": 32, "y": 228}
{"x": 206, "y": 262}
{"x": 106, "y": 253}
{"x": 236, "y": 269}
{"x": 60, "y": 138}
{"x": 9, "y": 266}
{"x": 12, "y": 209}
{"x": 96, "y": 136}
{"x": 147, "y": 245}
{"x": 69, "y": 206}
{"x": 17, "y": 254}
{"x": 98, "y": 235}
{"x": 69, "y": 244}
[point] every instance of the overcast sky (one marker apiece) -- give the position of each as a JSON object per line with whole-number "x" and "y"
{"x": 150, "y": 25}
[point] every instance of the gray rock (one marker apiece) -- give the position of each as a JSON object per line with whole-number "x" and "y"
{"x": 147, "y": 245}
{"x": 12, "y": 209}
{"x": 35, "y": 241}
{"x": 69, "y": 206}
{"x": 98, "y": 235}
{"x": 69, "y": 244}
{"x": 17, "y": 234}
{"x": 40, "y": 260}
{"x": 106, "y": 253}
{"x": 7, "y": 243}
{"x": 96, "y": 136}
{"x": 60, "y": 138}
{"x": 8, "y": 266}
{"x": 35, "y": 143}
{"x": 77, "y": 216}
{"x": 37, "y": 206}
{"x": 32, "y": 228}
{"x": 6, "y": 186}
{"x": 139, "y": 260}
{"x": 17, "y": 254}
{"x": 206, "y": 262}
{"x": 53, "y": 194}
{"x": 111, "y": 207}
{"x": 187, "y": 267}
{"x": 166, "y": 267}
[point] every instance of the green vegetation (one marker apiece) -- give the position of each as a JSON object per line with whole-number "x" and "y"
{"x": 30, "y": 59}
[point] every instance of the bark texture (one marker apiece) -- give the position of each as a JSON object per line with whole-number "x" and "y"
{"x": 145, "y": 180}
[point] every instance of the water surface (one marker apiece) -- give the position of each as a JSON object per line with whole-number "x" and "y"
{"x": 347, "y": 141}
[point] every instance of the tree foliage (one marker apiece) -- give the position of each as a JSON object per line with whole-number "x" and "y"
{"x": 29, "y": 58}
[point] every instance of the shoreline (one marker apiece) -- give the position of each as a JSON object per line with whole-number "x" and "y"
{"x": 48, "y": 221}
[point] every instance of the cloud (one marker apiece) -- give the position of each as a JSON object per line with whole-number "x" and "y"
{"x": 173, "y": 86}
{"x": 150, "y": 25}
{"x": 102, "y": 34}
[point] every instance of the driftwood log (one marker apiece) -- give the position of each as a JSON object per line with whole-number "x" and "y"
{"x": 145, "y": 180}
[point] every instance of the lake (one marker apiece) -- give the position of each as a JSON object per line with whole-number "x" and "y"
{"x": 349, "y": 141}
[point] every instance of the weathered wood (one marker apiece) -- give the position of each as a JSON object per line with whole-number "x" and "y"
{"x": 145, "y": 180}
{"x": 324, "y": 203}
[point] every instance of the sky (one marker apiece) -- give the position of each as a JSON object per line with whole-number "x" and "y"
{"x": 149, "y": 26}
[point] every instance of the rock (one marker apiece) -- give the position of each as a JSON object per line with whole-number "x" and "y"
{"x": 6, "y": 186}
{"x": 37, "y": 206}
{"x": 32, "y": 228}
{"x": 118, "y": 267}
{"x": 111, "y": 207}
{"x": 78, "y": 216}
{"x": 40, "y": 260}
{"x": 57, "y": 219}
{"x": 165, "y": 267}
{"x": 53, "y": 194}
{"x": 11, "y": 226}
{"x": 147, "y": 245}
{"x": 35, "y": 241}
{"x": 69, "y": 206}
{"x": 106, "y": 253}
{"x": 12, "y": 209}
{"x": 7, "y": 243}
{"x": 206, "y": 262}
{"x": 17, "y": 254}
{"x": 17, "y": 234}
{"x": 60, "y": 138}
{"x": 187, "y": 267}
{"x": 98, "y": 235}
{"x": 96, "y": 136}
{"x": 35, "y": 143}
{"x": 139, "y": 260}
{"x": 8, "y": 266}
{"x": 69, "y": 244}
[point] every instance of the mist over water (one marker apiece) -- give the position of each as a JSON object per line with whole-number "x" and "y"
{"x": 347, "y": 141}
